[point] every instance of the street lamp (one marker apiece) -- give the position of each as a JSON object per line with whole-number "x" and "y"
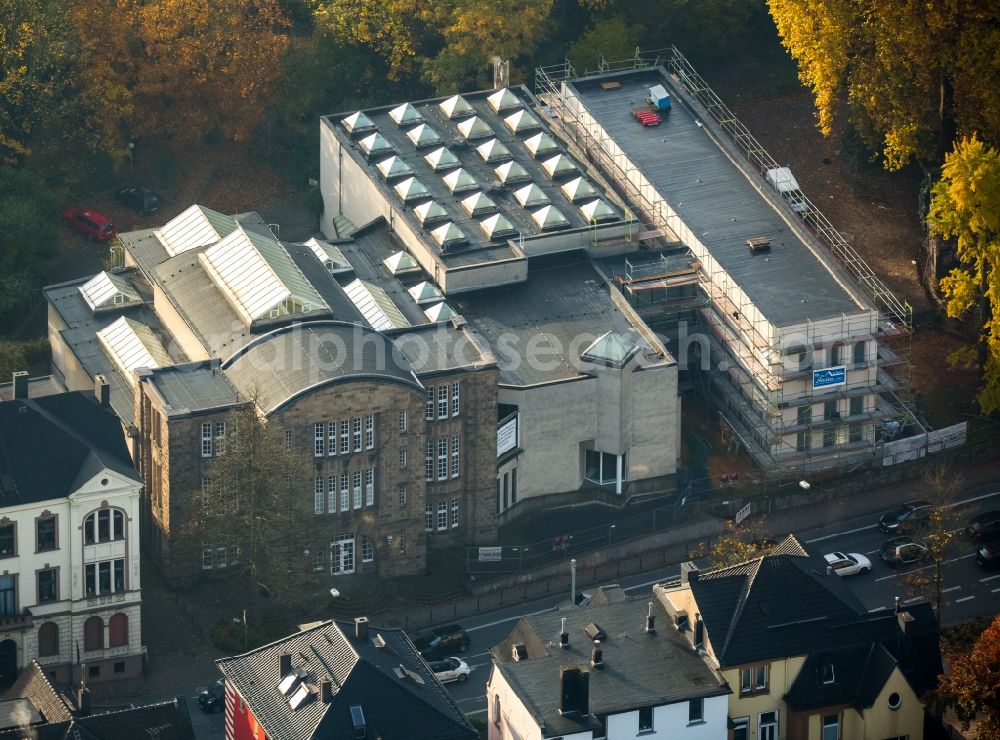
{"x": 131, "y": 149}
{"x": 611, "y": 528}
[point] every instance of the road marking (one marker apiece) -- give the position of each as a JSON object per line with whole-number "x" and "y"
{"x": 873, "y": 552}
{"x": 988, "y": 578}
{"x": 478, "y": 655}
{"x": 996, "y": 590}
{"x": 915, "y": 598}
{"x": 510, "y": 619}
{"x": 964, "y": 598}
{"x": 877, "y": 609}
{"x": 953, "y": 588}
{"x": 479, "y": 711}
{"x": 652, "y": 583}
{"x": 907, "y": 572}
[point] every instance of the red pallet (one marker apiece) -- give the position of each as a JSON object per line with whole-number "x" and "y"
{"x": 646, "y": 117}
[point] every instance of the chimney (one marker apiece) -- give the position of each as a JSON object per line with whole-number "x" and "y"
{"x": 519, "y": 651}
{"x": 905, "y": 620}
{"x": 285, "y": 664}
{"x": 689, "y": 572}
{"x": 650, "y": 621}
{"x": 83, "y": 698}
{"x": 361, "y": 629}
{"x": 563, "y": 636}
{"x": 574, "y": 691}
{"x": 326, "y": 690}
{"x": 20, "y": 384}
{"x": 597, "y": 655}
{"x": 102, "y": 390}
{"x": 699, "y": 631}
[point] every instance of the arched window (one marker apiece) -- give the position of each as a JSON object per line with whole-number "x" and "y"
{"x": 104, "y": 526}
{"x": 860, "y": 352}
{"x": 93, "y": 634}
{"x": 48, "y": 639}
{"x": 118, "y": 630}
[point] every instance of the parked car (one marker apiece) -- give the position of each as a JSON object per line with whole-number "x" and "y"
{"x": 137, "y": 198}
{"x": 903, "y": 551}
{"x": 442, "y": 641}
{"x": 92, "y": 223}
{"x": 450, "y": 669}
{"x": 988, "y": 553}
{"x": 906, "y": 518}
{"x": 213, "y": 699}
{"x": 985, "y": 526}
{"x": 847, "y": 564}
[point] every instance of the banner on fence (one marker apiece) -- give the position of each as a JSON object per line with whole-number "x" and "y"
{"x": 490, "y": 554}
{"x": 915, "y": 447}
{"x": 742, "y": 514}
{"x": 944, "y": 439}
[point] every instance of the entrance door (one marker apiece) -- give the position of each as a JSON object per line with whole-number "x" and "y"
{"x": 8, "y": 663}
{"x": 342, "y": 555}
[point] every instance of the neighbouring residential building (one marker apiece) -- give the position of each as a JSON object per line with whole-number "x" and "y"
{"x": 69, "y": 538}
{"x": 36, "y": 707}
{"x": 612, "y": 670}
{"x": 338, "y": 680}
{"x": 805, "y": 659}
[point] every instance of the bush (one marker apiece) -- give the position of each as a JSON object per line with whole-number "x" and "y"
{"x": 32, "y": 356}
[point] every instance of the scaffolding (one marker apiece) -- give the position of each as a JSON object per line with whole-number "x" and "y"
{"x": 749, "y": 356}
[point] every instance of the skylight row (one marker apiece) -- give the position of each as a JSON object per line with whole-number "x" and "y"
{"x": 130, "y": 345}
{"x": 105, "y": 290}
{"x": 194, "y": 227}
{"x": 375, "y": 305}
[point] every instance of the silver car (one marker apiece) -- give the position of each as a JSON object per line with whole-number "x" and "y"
{"x": 847, "y": 564}
{"x": 450, "y": 669}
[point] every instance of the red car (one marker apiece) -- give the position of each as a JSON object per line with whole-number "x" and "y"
{"x": 95, "y": 225}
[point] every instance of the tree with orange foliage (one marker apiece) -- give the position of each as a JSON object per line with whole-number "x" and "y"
{"x": 972, "y": 685}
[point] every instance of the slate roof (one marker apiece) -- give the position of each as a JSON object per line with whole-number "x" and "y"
{"x": 859, "y": 673}
{"x": 362, "y": 673}
{"x": 640, "y": 669}
{"x": 88, "y": 437}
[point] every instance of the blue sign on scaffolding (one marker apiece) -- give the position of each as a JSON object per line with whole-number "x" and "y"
{"x": 829, "y": 377}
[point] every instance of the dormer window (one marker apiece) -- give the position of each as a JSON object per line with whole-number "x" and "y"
{"x": 826, "y": 671}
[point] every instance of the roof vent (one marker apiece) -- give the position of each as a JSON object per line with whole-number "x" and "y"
{"x": 594, "y": 632}
{"x": 519, "y": 651}
{"x": 597, "y": 655}
{"x": 564, "y": 636}
{"x": 361, "y": 629}
{"x": 759, "y": 244}
{"x": 650, "y": 621}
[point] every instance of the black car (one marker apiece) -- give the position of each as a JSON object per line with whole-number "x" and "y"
{"x": 213, "y": 699}
{"x": 442, "y": 642}
{"x": 985, "y": 526}
{"x": 988, "y": 553}
{"x": 906, "y": 518}
{"x": 903, "y": 551}
{"x": 139, "y": 199}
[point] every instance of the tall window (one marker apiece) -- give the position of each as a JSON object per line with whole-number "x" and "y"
{"x": 331, "y": 494}
{"x": 289, "y": 437}
{"x": 429, "y": 461}
{"x": 331, "y": 438}
{"x": 835, "y": 355}
{"x": 860, "y": 350}
{"x": 105, "y": 577}
{"x": 8, "y": 540}
{"x": 602, "y": 467}
{"x": 318, "y": 495}
{"x": 319, "y": 437}
{"x": 345, "y": 437}
{"x": 402, "y": 422}
{"x": 356, "y": 429}
{"x": 369, "y": 432}
{"x": 367, "y": 549}
{"x": 401, "y": 493}
{"x": 831, "y": 727}
{"x": 104, "y": 525}
{"x": 442, "y": 521}
{"x": 741, "y": 728}
{"x": 443, "y": 402}
{"x": 48, "y": 640}
{"x": 118, "y": 630}
{"x": 93, "y": 634}
{"x": 803, "y": 416}
{"x": 345, "y": 492}
{"x": 402, "y": 458}
{"x": 830, "y": 410}
{"x": 48, "y": 585}
{"x": 357, "y": 489}
{"x": 45, "y": 533}
{"x": 856, "y": 433}
{"x": 767, "y": 726}
{"x": 220, "y": 438}
{"x": 454, "y": 513}
{"x": 857, "y": 406}
{"x": 645, "y": 719}
{"x": 455, "y": 404}
{"x": 429, "y": 518}
{"x": 429, "y": 411}
{"x": 455, "y": 462}
{"x": 8, "y": 596}
{"x": 206, "y": 440}
{"x": 753, "y": 679}
{"x": 370, "y": 487}
{"x": 443, "y": 458}
{"x": 696, "y": 711}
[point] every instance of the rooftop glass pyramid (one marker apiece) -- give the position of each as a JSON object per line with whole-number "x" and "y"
{"x": 441, "y": 159}
{"x": 511, "y": 172}
{"x": 459, "y": 181}
{"x": 531, "y": 195}
{"x": 425, "y": 292}
{"x": 375, "y": 144}
{"x": 400, "y": 262}
{"x": 429, "y": 212}
{"x": 474, "y": 128}
{"x": 106, "y": 290}
{"x": 493, "y": 151}
{"x": 357, "y": 123}
{"x": 394, "y": 167}
{"x": 405, "y": 115}
{"x": 541, "y": 144}
{"x": 448, "y": 235}
{"x": 411, "y": 189}
{"x": 521, "y": 121}
{"x": 598, "y": 210}
{"x": 497, "y": 226}
{"x": 440, "y": 312}
{"x": 549, "y": 217}
{"x": 609, "y": 348}
{"x": 579, "y": 189}
{"x": 559, "y": 166}
{"x": 423, "y": 135}
{"x": 456, "y": 107}
{"x": 503, "y": 100}
{"x": 478, "y": 204}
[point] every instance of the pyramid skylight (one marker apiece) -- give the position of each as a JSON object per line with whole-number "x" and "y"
{"x": 456, "y": 107}
{"x": 429, "y": 212}
{"x": 511, "y": 172}
{"x": 597, "y": 210}
{"x": 405, "y": 115}
{"x": 130, "y": 345}
{"x": 375, "y": 144}
{"x": 497, "y": 226}
{"x": 559, "y": 166}
{"x": 375, "y": 305}
{"x": 493, "y": 151}
{"x": 459, "y": 181}
{"x": 394, "y": 167}
{"x": 504, "y": 100}
{"x": 579, "y": 189}
{"x": 478, "y": 204}
{"x": 531, "y": 195}
{"x": 541, "y": 144}
{"x": 448, "y": 235}
{"x": 441, "y": 159}
{"x": 440, "y": 312}
{"x": 609, "y": 348}
{"x": 423, "y": 135}
{"x": 194, "y": 227}
{"x": 106, "y": 290}
{"x": 549, "y": 218}
{"x": 357, "y": 123}
{"x": 411, "y": 189}
{"x": 425, "y": 292}
{"x": 259, "y": 278}
{"x": 521, "y": 121}
{"x": 401, "y": 262}
{"x": 474, "y": 128}
{"x": 330, "y": 255}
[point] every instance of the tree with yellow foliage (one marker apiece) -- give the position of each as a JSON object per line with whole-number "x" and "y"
{"x": 965, "y": 206}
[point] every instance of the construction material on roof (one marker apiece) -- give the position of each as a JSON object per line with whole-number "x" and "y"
{"x": 425, "y": 292}
{"x": 405, "y": 115}
{"x": 448, "y": 235}
{"x": 130, "y": 345}
{"x": 329, "y": 254}
{"x": 394, "y": 167}
{"x": 497, "y": 226}
{"x": 531, "y": 195}
{"x": 511, "y": 172}
{"x": 659, "y": 98}
{"x": 400, "y": 262}
{"x": 106, "y": 290}
{"x": 411, "y": 189}
{"x": 441, "y": 159}
{"x": 474, "y": 128}
{"x": 541, "y": 144}
{"x": 440, "y": 312}
{"x": 646, "y": 117}
{"x": 478, "y": 204}
{"x": 456, "y": 107}
{"x": 549, "y": 217}
{"x": 559, "y": 166}
{"x": 374, "y": 145}
{"x": 196, "y": 226}
{"x": 459, "y": 181}
{"x": 521, "y": 121}
{"x": 504, "y": 100}
{"x": 423, "y": 135}
{"x": 429, "y": 212}
{"x": 375, "y": 305}
{"x": 598, "y": 211}
{"x": 493, "y": 151}
{"x": 357, "y": 123}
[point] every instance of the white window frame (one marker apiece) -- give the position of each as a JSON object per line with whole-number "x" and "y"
{"x": 402, "y": 422}
{"x": 319, "y": 495}
{"x": 318, "y": 560}
{"x": 345, "y": 437}
{"x": 319, "y": 439}
{"x": 220, "y": 438}
{"x": 442, "y": 401}
{"x": 93, "y": 570}
{"x": 370, "y": 487}
{"x": 331, "y": 493}
{"x": 370, "y": 432}
{"x": 288, "y": 439}
{"x": 442, "y": 471}
{"x": 429, "y": 518}
{"x": 206, "y": 440}
{"x": 367, "y": 549}
{"x": 442, "y": 516}
{"x": 356, "y": 433}
{"x": 454, "y": 513}
{"x": 402, "y": 458}
{"x": 357, "y": 488}
{"x": 345, "y": 492}
{"x": 456, "y": 405}
{"x": 824, "y": 726}
{"x": 429, "y": 461}
{"x": 644, "y": 726}
{"x": 456, "y": 442}
{"x": 429, "y": 408}
{"x": 771, "y": 726}
{"x": 331, "y": 438}
{"x": 401, "y": 493}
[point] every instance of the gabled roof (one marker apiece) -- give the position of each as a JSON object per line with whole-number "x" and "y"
{"x": 329, "y": 254}
{"x": 611, "y": 348}
{"x": 504, "y": 100}
{"x": 374, "y": 145}
{"x": 474, "y": 128}
{"x": 34, "y": 685}
{"x": 559, "y": 166}
{"x": 357, "y": 123}
{"x": 88, "y": 438}
{"x": 258, "y": 276}
{"x": 429, "y": 212}
{"x": 531, "y": 195}
{"x": 858, "y": 672}
{"x": 549, "y": 217}
{"x": 511, "y": 172}
{"x": 579, "y": 189}
{"x": 130, "y": 345}
{"x": 394, "y": 167}
{"x": 425, "y": 292}
{"x": 399, "y": 696}
{"x": 497, "y": 226}
{"x": 423, "y": 135}
{"x": 456, "y": 107}
{"x": 405, "y": 115}
{"x": 440, "y": 312}
{"x": 400, "y": 262}
{"x": 375, "y": 305}
{"x": 448, "y": 235}
{"x": 493, "y": 151}
{"x": 411, "y": 189}
{"x": 541, "y": 144}
{"x": 597, "y": 210}
{"x": 107, "y": 290}
{"x": 194, "y": 227}
{"x": 478, "y": 204}
{"x": 521, "y": 121}
{"x": 441, "y": 159}
{"x": 459, "y": 180}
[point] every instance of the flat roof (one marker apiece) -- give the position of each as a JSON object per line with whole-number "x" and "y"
{"x": 714, "y": 197}
{"x": 194, "y": 386}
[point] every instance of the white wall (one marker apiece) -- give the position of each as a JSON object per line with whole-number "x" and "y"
{"x": 671, "y": 721}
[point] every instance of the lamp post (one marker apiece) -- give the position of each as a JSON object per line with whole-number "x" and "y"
{"x": 131, "y": 150}
{"x": 611, "y": 529}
